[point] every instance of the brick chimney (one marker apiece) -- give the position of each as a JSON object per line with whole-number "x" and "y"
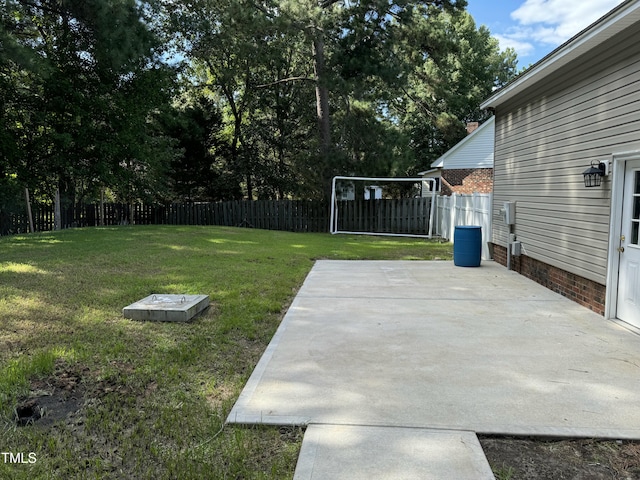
{"x": 471, "y": 126}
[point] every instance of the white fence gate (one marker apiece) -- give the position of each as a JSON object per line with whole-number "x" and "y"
{"x": 459, "y": 209}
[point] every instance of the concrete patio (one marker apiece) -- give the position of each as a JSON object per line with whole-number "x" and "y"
{"x": 437, "y": 348}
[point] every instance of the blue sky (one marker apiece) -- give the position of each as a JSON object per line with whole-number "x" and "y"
{"x": 536, "y": 27}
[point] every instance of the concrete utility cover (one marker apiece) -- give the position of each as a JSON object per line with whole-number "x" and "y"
{"x": 167, "y": 307}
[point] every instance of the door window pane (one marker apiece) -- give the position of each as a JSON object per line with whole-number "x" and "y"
{"x": 635, "y": 213}
{"x": 636, "y": 207}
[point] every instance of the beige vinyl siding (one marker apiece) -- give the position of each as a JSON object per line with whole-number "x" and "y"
{"x": 547, "y": 137}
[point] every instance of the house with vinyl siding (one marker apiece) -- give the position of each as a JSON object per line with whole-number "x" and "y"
{"x": 576, "y": 107}
{"x": 468, "y": 166}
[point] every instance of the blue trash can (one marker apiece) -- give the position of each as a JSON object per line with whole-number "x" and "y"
{"x": 467, "y": 246}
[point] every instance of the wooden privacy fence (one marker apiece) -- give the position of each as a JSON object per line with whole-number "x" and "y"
{"x": 400, "y": 216}
{"x": 291, "y": 215}
{"x": 458, "y": 209}
{"x": 405, "y": 216}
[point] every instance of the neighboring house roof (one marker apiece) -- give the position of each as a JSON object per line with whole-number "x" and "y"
{"x": 614, "y": 22}
{"x": 473, "y": 151}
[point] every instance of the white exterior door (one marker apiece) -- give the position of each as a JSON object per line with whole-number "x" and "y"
{"x": 628, "y": 303}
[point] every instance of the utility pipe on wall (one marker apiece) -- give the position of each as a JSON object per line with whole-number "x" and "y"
{"x": 509, "y": 215}
{"x": 509, "y": 249}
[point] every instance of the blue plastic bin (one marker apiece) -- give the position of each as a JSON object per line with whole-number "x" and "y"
{"x": 467, "y": 246}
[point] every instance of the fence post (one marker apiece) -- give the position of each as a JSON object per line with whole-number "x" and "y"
{"x": 29, "y": 213}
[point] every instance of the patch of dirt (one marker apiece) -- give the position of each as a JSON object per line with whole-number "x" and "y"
{"x": 52, "y": 399}
{"x": 574, "y": 459}
{"x": 62, "y": 395}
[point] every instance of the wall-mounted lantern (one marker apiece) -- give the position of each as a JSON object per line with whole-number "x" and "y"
{"x": 593, "y": 175}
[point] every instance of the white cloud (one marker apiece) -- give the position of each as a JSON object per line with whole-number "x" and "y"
{"x": 521, "y": 46}
{"x": 552, "y": 22}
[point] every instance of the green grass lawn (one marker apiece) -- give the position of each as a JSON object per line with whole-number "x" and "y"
{"x": 128, "y": 399}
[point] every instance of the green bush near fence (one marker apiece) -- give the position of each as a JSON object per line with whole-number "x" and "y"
{"x": 126, "y": 399}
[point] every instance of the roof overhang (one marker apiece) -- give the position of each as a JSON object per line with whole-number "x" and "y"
{"x": 439, "y": 163}
{"x": 614, "y": 22}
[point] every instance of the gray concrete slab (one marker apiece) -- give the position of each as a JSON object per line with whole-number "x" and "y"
{"x": 165, "y": 307}
{"x": 351, "y": 452}
{"x": 431, "y": 345}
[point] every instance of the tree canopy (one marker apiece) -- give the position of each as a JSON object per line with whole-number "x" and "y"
{"x": 220, "y": 99}
{"x": 81, "y": 80}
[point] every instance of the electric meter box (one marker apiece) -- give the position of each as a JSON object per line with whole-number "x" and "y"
{"x": 509, "y": 213}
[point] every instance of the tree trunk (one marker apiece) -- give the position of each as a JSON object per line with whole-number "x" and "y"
{"x": 249, "y": 185}
{"x": 57, "y": 211}
{"x": 322, "y": 109}
{"x": 322, "y": 97}
{"x": 238, "y": 162}
{"x": 101, "y": 223}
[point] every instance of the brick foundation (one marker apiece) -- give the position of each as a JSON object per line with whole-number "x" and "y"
{"x": 468, "y": 180}
{"x": 579, "y": 289}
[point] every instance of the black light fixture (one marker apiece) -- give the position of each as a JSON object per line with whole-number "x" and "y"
{"x": 593, "y": 175}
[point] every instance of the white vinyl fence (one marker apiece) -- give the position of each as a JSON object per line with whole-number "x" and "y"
{"x": 458, "y": 209}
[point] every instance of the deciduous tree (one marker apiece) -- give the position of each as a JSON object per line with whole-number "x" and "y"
{"x": 84, "y": 80}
